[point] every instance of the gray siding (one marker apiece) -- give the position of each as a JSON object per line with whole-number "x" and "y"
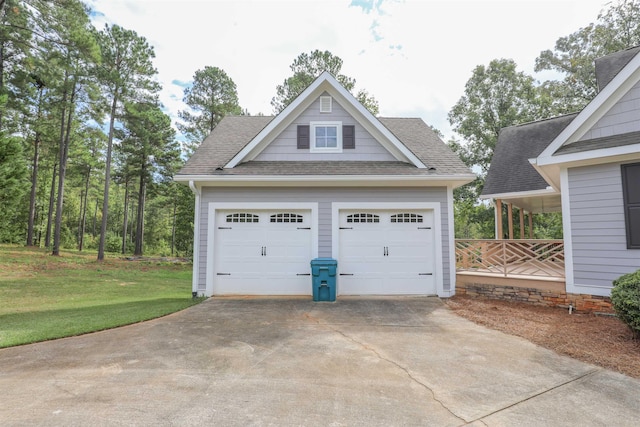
{"x": 622, "y": 118}
{"x": 284, "y": 147}
{"x": 324, "y": 197}
{"x": 600, "y": 252}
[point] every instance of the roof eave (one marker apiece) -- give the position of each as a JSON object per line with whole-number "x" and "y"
{"x": 453, "y": 180}
{"x": 521, "y": 194}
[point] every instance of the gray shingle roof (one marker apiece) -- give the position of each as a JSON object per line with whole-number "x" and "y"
{"x": 233, "y": 133}
{"x": 223, "y": 143}
{"x": 600, "y": 143}
{"x": 607, "y": 67}
{"x": 510, "y": 170}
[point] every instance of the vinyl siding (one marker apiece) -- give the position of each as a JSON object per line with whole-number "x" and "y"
{"x": 599, "y": 245}
{"x": 324, "y": 197}
{"x": 622, "y": 118}
{"x": 284, "y": 147}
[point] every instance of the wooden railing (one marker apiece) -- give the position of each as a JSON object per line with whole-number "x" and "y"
{"x": 540, "y": 258}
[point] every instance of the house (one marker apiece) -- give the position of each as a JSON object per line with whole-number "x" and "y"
{"x": 587, "y": 166}
{"x": 324, "y": 178}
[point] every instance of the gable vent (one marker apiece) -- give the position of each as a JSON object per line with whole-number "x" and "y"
{"x": 325, "y": 104}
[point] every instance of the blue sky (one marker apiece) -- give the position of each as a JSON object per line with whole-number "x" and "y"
{"x": 414, "y": 56}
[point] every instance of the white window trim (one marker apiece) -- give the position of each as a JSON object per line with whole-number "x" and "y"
{"x": 312, "y": 137}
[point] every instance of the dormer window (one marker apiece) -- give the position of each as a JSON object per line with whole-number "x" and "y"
{"x": 325, "y": 104}
{"x": 326, "y": 137}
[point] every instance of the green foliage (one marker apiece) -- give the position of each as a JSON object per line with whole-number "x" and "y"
{"x": 496, "y": 96}
{"x": 44, "y": 297}
{"x": 305, "y": 68}
{"x": 625, "y": 297}
{"x": 617, "y": 28}
{"x": 212, "y": 96}
{"x": 13, "y": 189}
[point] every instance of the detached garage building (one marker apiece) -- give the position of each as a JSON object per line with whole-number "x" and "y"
{"x": 324, "y": 178}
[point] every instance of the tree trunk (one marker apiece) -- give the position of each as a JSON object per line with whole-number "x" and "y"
{"x": 34, "y": 174}
{"x": 140, "y": 218}
{"x": 64, "y": 154}
{"x": 34, "y": 187}
{"x": 95, "y": 218}
{"x": 125, "y": 222}
{"x": 52, "y": 195}
{"x": 83, "y": 220}
{"x": 173, "y": 226}
{"x": 107, "y": 179}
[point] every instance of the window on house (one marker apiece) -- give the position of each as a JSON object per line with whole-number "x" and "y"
{"x": 363, "y": 217}
{"x": 326, "y": 136}
{"x": 242, "y": 217}
{"x": 631, "y": 194}
{"x": 286, "y": 217}
{"x": 406, "y": 217}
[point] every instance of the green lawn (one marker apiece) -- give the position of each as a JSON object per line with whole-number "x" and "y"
{"x": 44, "y": 297}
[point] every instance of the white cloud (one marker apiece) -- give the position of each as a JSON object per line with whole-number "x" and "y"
{"x": 413, "y": 56}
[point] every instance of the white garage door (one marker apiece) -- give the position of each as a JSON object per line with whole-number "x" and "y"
{"x": 386, "y": 253}
{"x": 262, "y": 253}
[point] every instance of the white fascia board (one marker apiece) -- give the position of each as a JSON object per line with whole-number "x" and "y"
{"x": 331, "y": 180}
{"x": 521, "y": 194}
{"x": 597, "y": 108}
{"x": 603, "y": 155}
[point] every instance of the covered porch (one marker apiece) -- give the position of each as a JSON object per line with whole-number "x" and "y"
{"x": 515, "y": 258}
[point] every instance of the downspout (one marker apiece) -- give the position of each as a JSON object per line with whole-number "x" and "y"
{"x": 196, "y": 240}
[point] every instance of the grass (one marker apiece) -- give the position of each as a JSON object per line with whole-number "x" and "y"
{"x": 43, "y": 297}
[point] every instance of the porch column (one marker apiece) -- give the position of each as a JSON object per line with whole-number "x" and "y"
{"x": 521, "y": 223}
{"x": 510, "y": 220}
{"x": 531, "y": 225}
{"x": 498, "y": 219}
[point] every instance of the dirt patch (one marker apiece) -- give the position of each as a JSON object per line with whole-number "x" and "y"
{"x": 600, "y": 340}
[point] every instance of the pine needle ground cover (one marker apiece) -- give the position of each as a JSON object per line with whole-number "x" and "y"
{"x": 44, "y": 297}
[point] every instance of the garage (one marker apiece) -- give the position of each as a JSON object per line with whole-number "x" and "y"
{"x": 386, "y": 252}
{"x": 262, "y": 252}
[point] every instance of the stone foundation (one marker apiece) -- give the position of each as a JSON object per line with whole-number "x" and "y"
{"x": 582, "y": 303}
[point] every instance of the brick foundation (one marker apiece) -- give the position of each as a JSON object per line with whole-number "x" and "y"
{"x": 582, "y": 303}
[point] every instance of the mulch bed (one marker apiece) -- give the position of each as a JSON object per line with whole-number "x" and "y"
{"x": 600, "y": 340}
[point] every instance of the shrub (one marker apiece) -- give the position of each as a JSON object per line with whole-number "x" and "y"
{"x": 625, "y": 297}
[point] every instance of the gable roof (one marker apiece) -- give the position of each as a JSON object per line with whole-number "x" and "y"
{"x": 610, "y": 65}
{"x": 233, "y": 133}
{"x": 325, "y": 83}
{"x": 619, "y": 85}
{"x": 510, "y": 170}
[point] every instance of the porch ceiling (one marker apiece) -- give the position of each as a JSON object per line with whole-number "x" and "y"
{"x": 539, "y": 204}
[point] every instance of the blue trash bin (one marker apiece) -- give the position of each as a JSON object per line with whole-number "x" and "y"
{"x": 323, "y": 273}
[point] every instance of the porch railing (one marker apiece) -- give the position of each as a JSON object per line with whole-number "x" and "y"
{"x": 540, "y": 258}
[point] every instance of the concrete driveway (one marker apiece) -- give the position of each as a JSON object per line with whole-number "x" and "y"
{"x": 356, "y": 362}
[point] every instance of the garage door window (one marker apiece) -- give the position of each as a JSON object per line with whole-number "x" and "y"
{"x": 406, "y": 217}
{"x": 286, "y": 217}
{"x": 363, "y": 217}
{"x": 242, "y": 217}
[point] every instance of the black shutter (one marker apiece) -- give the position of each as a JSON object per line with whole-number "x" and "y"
{"x": 303, "y": 137}
{"x": 348, "y": 137}
{"x": 631, "y": 193}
